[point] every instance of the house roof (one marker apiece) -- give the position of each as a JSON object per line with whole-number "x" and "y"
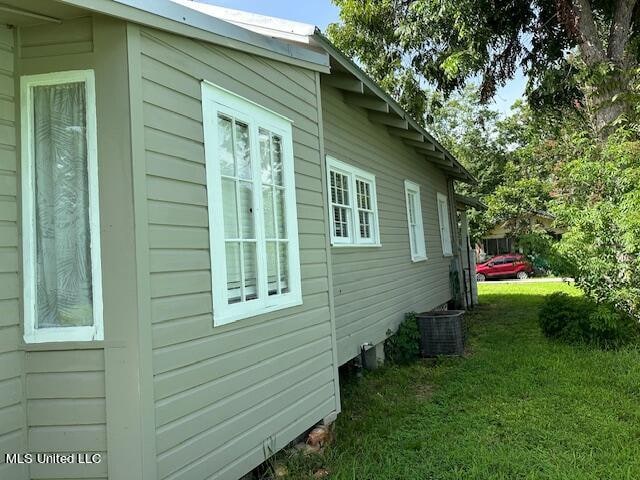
{"x": 292, "y": 42}
{"x": 177, "y": 18}
{"x": 359, "y": 89}
{"x": 465, "y": 201}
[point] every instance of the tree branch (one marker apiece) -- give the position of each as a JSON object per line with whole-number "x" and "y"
{"x": 620, "y": 31}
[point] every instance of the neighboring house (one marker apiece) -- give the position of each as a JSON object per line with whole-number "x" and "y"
{"x": 200, "y": 220}
{"x": 499, "y": 240}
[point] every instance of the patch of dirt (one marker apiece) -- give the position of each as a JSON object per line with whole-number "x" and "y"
{"x": 424, "y": 392}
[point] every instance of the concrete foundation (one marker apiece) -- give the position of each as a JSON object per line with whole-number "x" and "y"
{"x": 374, "y": 356}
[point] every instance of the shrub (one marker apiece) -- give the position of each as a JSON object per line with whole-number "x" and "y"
{"x": 578, "y": 320}
{"x": 403, "y": 346}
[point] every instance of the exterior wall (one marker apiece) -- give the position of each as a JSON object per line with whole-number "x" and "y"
{"x": 226, "y": 398}
{"x": 67, "y": 404}
{"x": 375, "y": 286}
{"x": 12, "y": 405}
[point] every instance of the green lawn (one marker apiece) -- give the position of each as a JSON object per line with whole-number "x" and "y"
{"x": 518, "y": 407}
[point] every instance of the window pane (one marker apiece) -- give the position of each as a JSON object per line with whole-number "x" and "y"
{"x": 246, "y": 210}
{"x": 225, "y": 143}
{"x": 280, "y": 214}
{"x": 63, "y": 262}
{"x": 333, "y": 179}
{"x": 365, "y": 224}
{"x": 265, "y": 156}
{"x": 272, "y": 266}
{"x": 413, "y": 231}
{"x": 269, "y": 214}
{"x": 283, "y": 252}
{"x": 341, "y": 228}
{"x": 234, "y": 279}
{"x": 364, "y": 195}
{"x": 229, "y": 208}
{"x": 277, "y": 159}
{"x": 250, "y": 271}
{"x": 243, "y": 150}
{"x": 339, "y": 188}
{"x": 412, "y": 205}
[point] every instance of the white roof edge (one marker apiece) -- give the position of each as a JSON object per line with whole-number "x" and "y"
{"x": 181, "y": 16}
{"x": 262, "y": 24}
{"x": 360, "y": 74}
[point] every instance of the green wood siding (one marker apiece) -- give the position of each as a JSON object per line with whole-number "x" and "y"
{"x": 64, "y": 386}
{"x": 12, "y": 407}
{"x": 50, "y": 40}
{"x": 225, "y": 396}
{"x": 373, "y": 287}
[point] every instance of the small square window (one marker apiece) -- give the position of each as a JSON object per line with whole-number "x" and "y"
{"x": 352, "y": 200}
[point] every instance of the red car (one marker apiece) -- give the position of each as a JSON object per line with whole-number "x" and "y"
{"x": 503, "y": 266}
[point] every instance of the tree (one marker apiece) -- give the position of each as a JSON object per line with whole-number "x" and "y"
{"x": 578, "y": 54}
{"x": 597, "y": 198}
{"x": 510, "y": 157}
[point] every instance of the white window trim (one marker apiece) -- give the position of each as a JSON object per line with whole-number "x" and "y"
{"x": 411, "y": 187}
{"x": 353, "y": 173}
{"x": 214, "y": 100}
{"x": 58, "y": 334}
{"x": 445, "y": 229}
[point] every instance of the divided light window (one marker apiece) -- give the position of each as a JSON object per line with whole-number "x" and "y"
{"x": 353, "y": 207}
{"x": 252, "y": 207}
{"x": 445, "y": 231}
{"x": 60, "y": 214}
{"x": 414, "y": 220}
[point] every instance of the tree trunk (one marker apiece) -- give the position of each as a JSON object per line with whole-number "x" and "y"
{"x": 606, "y": 103}
{"x": 605, "y": 100}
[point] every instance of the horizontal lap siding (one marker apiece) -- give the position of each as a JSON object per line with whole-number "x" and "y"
{"x": 12, "y": 413}
{"x": 66, "y": 409}
{"x": 224, "y": 396}
{"x": 374, "y": 287}
{"x": 65, "y": 389}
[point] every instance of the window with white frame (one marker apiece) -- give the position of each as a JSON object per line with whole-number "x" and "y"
{"x": 60, "y": 212}
{"x": 414, "y": 220}
{"x": 252, "y": 207}
{"x": 353, "y": 207}
{"x": 445, "y": 231}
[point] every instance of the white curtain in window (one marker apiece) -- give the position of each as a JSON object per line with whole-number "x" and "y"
{"x": 63, "y": 283}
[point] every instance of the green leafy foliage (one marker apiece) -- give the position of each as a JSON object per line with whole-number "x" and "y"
{"x": 597, "y": 197}
{"x": 574, "y": 319}
{"x": 404, "y": 346}
{"x": 578, "y": 56}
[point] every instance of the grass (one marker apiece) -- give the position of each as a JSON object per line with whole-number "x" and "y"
{"x": 518, "y": 406}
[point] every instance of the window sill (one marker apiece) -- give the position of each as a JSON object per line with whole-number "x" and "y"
{"x": 447, "y": 255}
{"x": 50, "y": 335}
{"x": 222, "y": 320}
{"x": 356, "y": 245}
{"x": 73, "y": 345}
{"x": 419, "y": 259}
